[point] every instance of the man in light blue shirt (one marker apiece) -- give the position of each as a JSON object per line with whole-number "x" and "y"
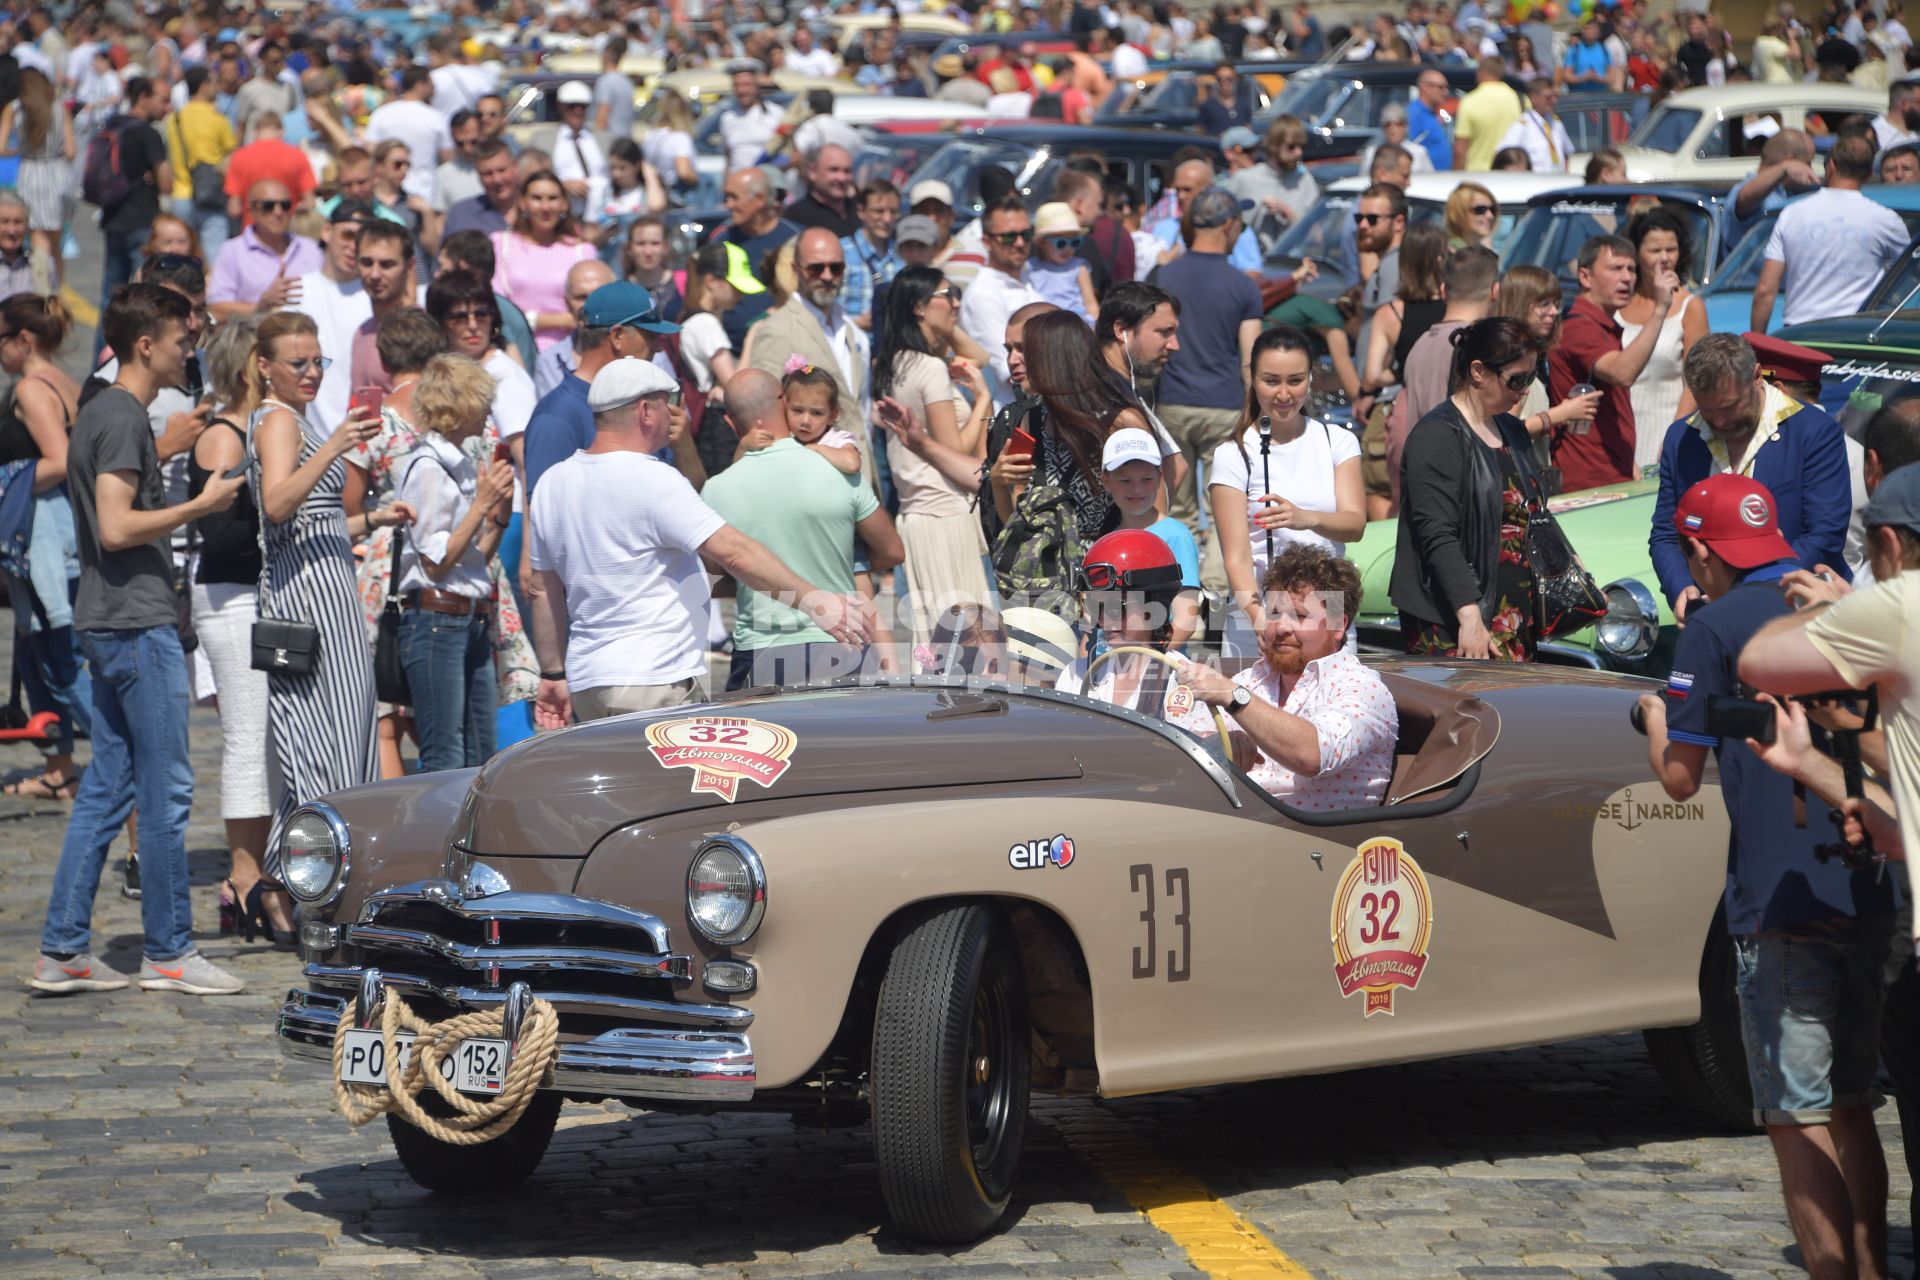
{"x": 871, "y": 261}
{"x": 1425, "y": 128}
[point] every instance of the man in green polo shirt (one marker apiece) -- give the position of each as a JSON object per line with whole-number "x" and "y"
{"x": 798, "y": 505}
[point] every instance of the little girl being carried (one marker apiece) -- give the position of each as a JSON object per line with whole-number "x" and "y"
{"x": 813, "y": 405}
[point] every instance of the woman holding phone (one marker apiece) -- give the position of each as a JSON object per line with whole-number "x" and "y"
{"x": 407, "y": 339}
{"x": 320, "y": 722}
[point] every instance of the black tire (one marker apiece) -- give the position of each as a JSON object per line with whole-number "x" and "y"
{"x": 1705, "y": 1064}
{"x": 504, "y": 1162}
{"x": 949, "y": 1075}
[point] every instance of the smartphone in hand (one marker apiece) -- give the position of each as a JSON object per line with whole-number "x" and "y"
{"x": 368, "y": 398}
{"x": 503, "y": 452}
{"x": 1021, "y": 443}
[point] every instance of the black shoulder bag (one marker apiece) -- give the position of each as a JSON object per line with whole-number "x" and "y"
{"x": 389, "y": 672}
{"x": 1566, "y": 599}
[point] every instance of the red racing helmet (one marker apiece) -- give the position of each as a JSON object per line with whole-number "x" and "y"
{"x": 1130, "y": 560}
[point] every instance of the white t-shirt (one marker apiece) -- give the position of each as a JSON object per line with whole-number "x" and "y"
{"x": 513, "y": 401}
{"x": 702, "y": 337}
{"x": 457, "y": 87}
{"x": 814, "y": 62}
{"x": 338, "y": 310}
{"x": 623, "y": 531}
{"x": 425, "y": 132}
{"x": 1302, "y": 471}
{"x": 662, "y": 148}
{"x": 745, "y": 134}
{"x": 1836, "y": 245}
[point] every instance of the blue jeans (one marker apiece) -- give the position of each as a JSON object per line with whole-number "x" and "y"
{"x": 1810, "y": 1016}
{"x": 209, "y": 224}
{"x": 125, "y": 250}
{"x": 140, "y": 703}
{"x": 449, "y": 661}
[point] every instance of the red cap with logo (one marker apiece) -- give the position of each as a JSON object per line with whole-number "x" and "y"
{"x": 1734, "y": 515}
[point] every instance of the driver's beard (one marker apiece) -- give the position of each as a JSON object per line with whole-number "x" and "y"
{"x": 1286, "y": 660}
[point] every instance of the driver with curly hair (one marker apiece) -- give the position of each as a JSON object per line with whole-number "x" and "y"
{"x": 1323, "y": 724}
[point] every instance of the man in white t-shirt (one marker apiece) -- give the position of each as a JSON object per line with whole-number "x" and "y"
{"x": 750, "y": 123}
{"x": 620, "y": 600}
{"x": 1827, "y": 251}
{"x": 339, "y": 305}
{"x": 412, "y": 119}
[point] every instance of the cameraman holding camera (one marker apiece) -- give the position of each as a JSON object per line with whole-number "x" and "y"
{"x": 1809, "y": 937}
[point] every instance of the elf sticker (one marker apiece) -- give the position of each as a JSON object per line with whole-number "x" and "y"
{"x": 1382, "y": 924}
{"x": 723, "y": 751}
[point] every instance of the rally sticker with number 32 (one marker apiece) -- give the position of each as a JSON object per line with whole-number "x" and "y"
{"x": 1382, "y": 924}
{"x": 723, "y": 751}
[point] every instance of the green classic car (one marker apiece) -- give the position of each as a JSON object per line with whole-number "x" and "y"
{"x": 1609, "y": 528}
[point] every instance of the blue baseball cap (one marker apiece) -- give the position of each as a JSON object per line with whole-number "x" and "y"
{"x": 624, "y": 302}
{"x": 1896, "y": 501}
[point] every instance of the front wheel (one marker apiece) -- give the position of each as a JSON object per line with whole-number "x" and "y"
{"x": 1705, "y": 1064}
{"x": 495, "y": 1165}
{"x": 949, "y": 1074}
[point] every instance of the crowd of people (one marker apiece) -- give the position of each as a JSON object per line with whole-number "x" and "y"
{"x": 397, "y": 422}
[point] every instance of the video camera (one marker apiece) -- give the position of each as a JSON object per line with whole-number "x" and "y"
{"x": 1740, "y": 718}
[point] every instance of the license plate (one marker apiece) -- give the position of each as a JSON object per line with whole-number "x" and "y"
{"x": 474, "y": 1066}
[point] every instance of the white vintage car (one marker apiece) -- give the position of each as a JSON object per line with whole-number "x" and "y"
{"x": 1708, "y": 134}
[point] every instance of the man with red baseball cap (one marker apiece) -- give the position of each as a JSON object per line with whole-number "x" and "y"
{"x": 1819, "y": 927}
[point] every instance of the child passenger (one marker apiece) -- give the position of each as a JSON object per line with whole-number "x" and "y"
{"x": 1056, "y": 271}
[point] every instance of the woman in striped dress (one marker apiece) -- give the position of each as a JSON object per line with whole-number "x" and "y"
{"x": 319, "y": 725}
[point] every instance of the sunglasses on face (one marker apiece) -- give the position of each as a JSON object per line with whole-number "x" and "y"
{"x": 1368, "y": 219}
{"x": 1518, "y": 382}
{"x": 174, "y": 262}
{"x": 825, "y": 268}
{"x": 272, "y": 206}
{"x": 946, "y": 293}
{"x": 475, "y": 316}
{"x": 1064, "y": 242}
{"x": 1483, "y": 210}
{"x": 321, "y": 363}
{"x": 1011, "y": 237}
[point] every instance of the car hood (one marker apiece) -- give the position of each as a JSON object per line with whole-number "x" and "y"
{"x": 559, "y": 793}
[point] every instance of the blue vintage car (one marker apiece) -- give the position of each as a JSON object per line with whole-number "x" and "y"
{"x": 1729, "y": 295}
{"x": 1549, "y": 234}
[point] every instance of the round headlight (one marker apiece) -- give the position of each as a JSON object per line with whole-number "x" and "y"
{"x": 313, "y": 849}
{"x": 726, "y": 891}
{"x": 1631, "y": 626}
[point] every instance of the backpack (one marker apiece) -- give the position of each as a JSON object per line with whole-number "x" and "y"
{"x": 1037, "y": 555}
{"x": 104, "y": 181}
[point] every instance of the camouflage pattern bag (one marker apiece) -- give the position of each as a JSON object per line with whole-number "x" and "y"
{"x": 1036, "y": 557}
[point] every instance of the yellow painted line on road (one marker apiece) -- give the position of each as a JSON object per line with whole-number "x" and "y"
{"x": 1217, "y": 1240}
{"x": 82, "y": 311}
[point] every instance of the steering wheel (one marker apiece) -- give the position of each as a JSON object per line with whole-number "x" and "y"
{"x": 1219, "y": 717}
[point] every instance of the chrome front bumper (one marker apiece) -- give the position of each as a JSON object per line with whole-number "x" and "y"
{"x": 627, "y": 1062}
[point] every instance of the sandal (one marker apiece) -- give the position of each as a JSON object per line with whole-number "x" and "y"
{"x": 229, "y": 909}
{"x": 37, "y": 787}
{"x": 254, "y": 920}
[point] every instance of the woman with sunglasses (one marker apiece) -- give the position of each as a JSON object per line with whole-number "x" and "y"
{"x": 1532, "y": 295}
{"x": 320, "y": 722}
{"x": 34, "y": 429}
{"x": 942, "y": 536}
{"x": 1661, "y": 240}
{"x": 407, "y": 340}
{"x": 531, "y": 260}
{"x": 1462, "y": 579}
{"x": 392, "y": 162}
{"x": 1473, "y": 216}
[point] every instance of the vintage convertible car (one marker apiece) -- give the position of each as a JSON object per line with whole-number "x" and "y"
{"x": 911, "y": 902}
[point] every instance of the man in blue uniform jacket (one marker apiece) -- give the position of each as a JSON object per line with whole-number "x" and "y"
{"x": 1746, "y": 425}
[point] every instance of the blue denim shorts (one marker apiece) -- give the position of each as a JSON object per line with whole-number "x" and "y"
{"x": 1810, "y": 1016}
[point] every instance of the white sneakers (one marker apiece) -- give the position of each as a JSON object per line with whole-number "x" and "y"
{"x": 192, "y": 973}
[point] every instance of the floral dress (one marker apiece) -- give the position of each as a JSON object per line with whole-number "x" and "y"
{"x": 1510, "y": 631}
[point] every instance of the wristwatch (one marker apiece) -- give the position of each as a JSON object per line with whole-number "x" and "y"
{"x": 553, "y": 675}
{"x": 1242, "y": 699}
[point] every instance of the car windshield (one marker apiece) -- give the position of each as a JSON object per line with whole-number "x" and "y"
{"x": 1855, "y": 389}
{"x": 1178, "y": 92}
{"x": 1667, "y": 129}
{"x": 1550, "y": 235}
{"x": 960, "y": 163}
{"x": 1316, "y": 100}
{"x": 1740, "y": 273}
{"x": 895, "y": 159}
{"x": 1900, "y": 286}
{"x": 1325, "y": 235}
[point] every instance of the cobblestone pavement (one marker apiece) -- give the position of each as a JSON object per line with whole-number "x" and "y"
{"x": 147, "y": 1134}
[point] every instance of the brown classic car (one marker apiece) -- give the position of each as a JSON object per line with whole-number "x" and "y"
{"x": 910, "y": 903}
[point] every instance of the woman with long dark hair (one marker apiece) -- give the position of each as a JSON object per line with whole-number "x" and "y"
{"x": 1661, "y": 239}
{"x": 1084, "y": 404}
{"x": 1461, "y": 576}
{"x": 1297, "y": 480}
{"x": 37, "y": 128}
{"x": 942, "y": 537}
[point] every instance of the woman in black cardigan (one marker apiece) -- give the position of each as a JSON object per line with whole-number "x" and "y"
{"x": 1461, "y": 577}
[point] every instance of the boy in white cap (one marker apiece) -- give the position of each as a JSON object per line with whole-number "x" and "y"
{"x": 1130, "y": 470}
{"x": 620, "y": 602}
